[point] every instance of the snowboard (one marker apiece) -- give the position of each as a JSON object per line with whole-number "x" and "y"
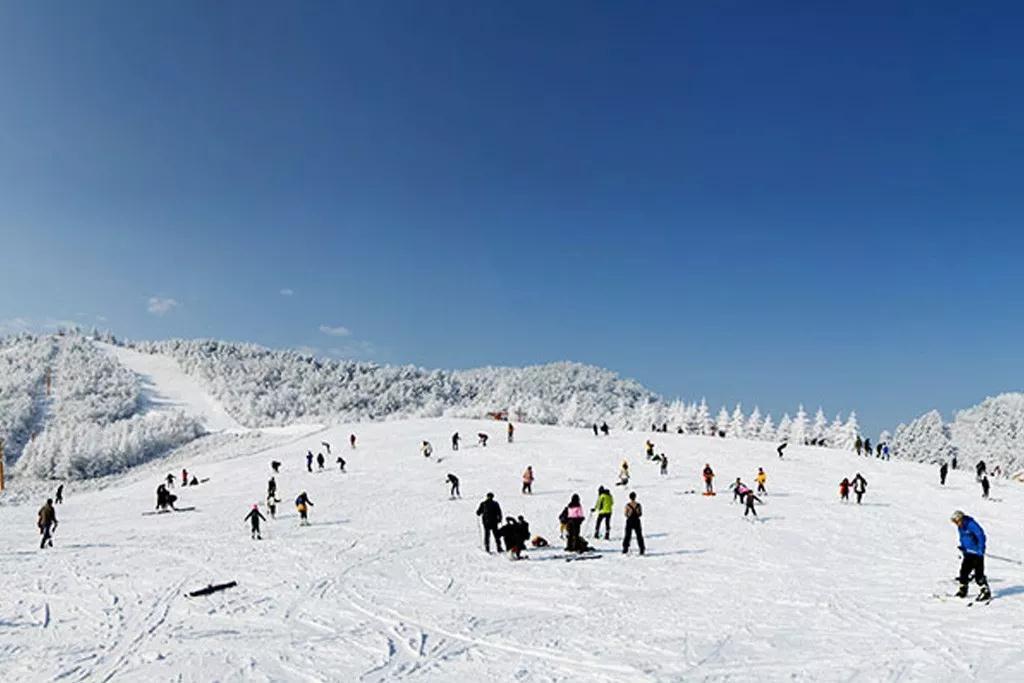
{"x": 165, "y": 512}
{"x": 212, "y": 588}
{"x": 709, "y": 493}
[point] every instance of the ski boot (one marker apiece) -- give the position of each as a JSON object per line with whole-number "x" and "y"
{"x": 985, "y": 595}
{"x": 962, "y": 593}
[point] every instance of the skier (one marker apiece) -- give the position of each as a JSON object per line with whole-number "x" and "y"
{"x": 59, "y": 497}
{"x": 194, "y": 481}
{"x": 426, "y": 449}
{"x": 867, "y": 447}
{"x": 319, "y": 461}
{"x": 272, "y": 505}
{"x": 952, "y": 464}
{"x": 302, "y": 504}
{"x": 47, "y": 523}
{"x": 649, "y": 449}
{"x": 309, "y": 461}
{"x": 634, "y": 512}
{"x": 528, "y": 479}
{"x": 623, "y": 474}
{"x": 750, "y": 504}
{"x": 885, "y": 452}
{"x": 184, "y": 477}
{"x": 984, "y": 486}
{"x": 604, "y": 507}
{"x": 844, "y": 489}
{"x": 664, "y": 464}
{"x": 515, "y": 537}
{"x": 275, "y": 466}
{"x": 739, "y": 491}
{"x": 170, "y": 480}
{"x": 489, "y": 513}
{"x": 454, "y": 481}
{"x": 341, "y": 463}
{"x": 455, "y": 441}
{"x": 972, "y": 545}
{"x": 943, "y": 472}
{"x": 595, "y": 428}
{"x": 352, "y": 441}
{"x": 860, "y": 485}
{"x": 604, "y": 428}
{"x": 761, "y": 479}
{"x": 481, "y": 439}
{"x": 272, "y": 487}
{"x": 573, "y": 515}
{"x": 327, "y": 446}
{"x": 782, "y": 447}
{"x": 858, "y": 445}
{"x": 511, "y": 432}
{"x": 980, "y": 469}
{"x": 709, "y": 477}
{"x": 254, "y": 518}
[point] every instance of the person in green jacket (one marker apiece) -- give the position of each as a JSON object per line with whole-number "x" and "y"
{"x": 603, "y": 507}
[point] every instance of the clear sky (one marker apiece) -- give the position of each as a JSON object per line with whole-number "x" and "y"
{"x": 762, "y": 202}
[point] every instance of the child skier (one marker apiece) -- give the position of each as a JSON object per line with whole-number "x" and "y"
{"x": 709, "y": 477}
{"x": 761, "y": 478}
{"x": 426, "y": 449}
{"x": 844, "y": 490}
{"x": 623, "y": 474}
{"x": 528, "y": 479}
{"x": 972, "y": 545}
{"x": 254, "y": 518}
{"x": 302, "y": 504}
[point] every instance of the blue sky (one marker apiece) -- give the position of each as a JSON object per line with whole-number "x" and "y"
{"x": 770, "y": 203}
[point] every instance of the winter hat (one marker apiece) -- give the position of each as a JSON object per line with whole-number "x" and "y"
{"x": 956, "y": 516}
{"x": 255, "y": 506}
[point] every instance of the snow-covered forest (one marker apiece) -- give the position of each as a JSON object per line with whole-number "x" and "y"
{"x": 992, "y": 431}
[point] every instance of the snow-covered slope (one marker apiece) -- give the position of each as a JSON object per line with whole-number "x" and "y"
{"x": 390, "y": 580}
{"x": 166, "y": 387}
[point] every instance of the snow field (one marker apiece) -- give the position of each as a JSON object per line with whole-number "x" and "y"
{"x": 390, "y": 581}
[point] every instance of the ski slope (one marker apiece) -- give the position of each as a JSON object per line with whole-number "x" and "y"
{"x": 166, "y": 387}
{"x": 390, "y": 581}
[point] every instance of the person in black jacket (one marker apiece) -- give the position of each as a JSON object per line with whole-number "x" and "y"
{"x": 489, "y": 513}
{"x": 254, "y": 518}
{"x": 454, "y": 481}
{"x": 943, "y": 472}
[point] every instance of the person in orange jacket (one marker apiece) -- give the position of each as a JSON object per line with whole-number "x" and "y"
{"x": 528, "y": 479}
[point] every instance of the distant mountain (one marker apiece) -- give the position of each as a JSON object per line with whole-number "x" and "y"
{"x": 70, "y": 409}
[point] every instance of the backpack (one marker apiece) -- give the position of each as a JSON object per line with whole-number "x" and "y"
{"x": 563, "y": 517}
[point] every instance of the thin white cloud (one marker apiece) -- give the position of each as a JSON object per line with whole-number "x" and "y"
{"x": 287, "y": 292}
{"x": 161, "y": 306}
{"x": 336, "y": 331}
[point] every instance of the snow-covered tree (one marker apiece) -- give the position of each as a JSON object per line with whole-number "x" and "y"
{"x": 798, "y": 428}
{"x": 784, "y": 432}
{"x": 737, "y": 423}
{"x": 926, "y": 439}
{"x": 834, "y": 434}
{"x": 702, "y": 423}
{"x": 754, "y": 424}
{"x": 768, "y": 432}
{"x": 722, "y": 422}
{"x": 820, "y": 426}
{"x": 848, "y": 434}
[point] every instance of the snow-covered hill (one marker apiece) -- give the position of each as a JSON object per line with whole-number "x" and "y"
{"x": 390, "y": 581}
{"x": 76, "y": 407}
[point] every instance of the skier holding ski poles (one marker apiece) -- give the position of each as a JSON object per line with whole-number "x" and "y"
{"x": 972, "y": 545}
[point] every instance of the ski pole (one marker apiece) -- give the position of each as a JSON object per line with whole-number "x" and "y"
{"x": 1006, "y": 559}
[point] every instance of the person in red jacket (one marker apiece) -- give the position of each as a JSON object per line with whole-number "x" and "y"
{"x": 844, "y": 489}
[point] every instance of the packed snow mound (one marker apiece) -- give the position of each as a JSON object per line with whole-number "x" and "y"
{"x": 390, "y": 580}
{"x": 992, "y": 431}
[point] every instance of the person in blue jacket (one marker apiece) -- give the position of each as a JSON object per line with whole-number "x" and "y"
{"x": 972, "y": 545}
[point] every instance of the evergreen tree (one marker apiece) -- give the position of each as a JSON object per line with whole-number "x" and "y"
{"x": 820, "y": 426}
{"x": 754, "y": 424}
{"x": 768, "y": 432}
{"x": 850, "y": 432}
{"x": 798, "y": 429}
{"x": 783, "y": 433}
{"x": 737, "y": 423}
{"x": 722, "y": 422}
{"x": 926, "y": 439}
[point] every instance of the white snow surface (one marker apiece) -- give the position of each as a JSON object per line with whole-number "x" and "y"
{"x": 390, "y": 581}
{"x": 167, "y": 388}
